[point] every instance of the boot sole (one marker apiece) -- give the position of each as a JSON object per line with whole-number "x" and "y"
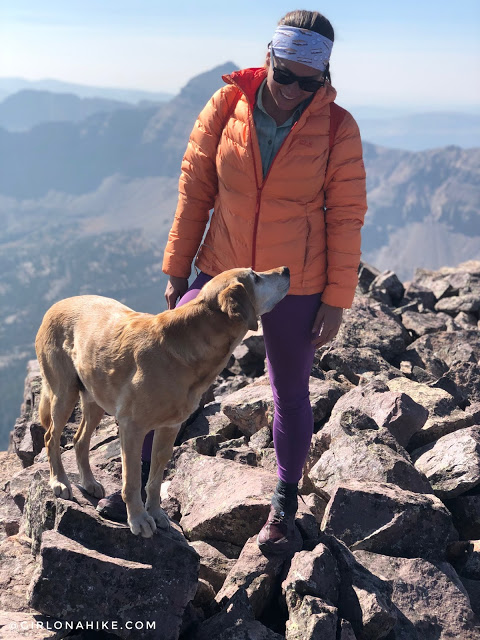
{"x": 276, "y": 548}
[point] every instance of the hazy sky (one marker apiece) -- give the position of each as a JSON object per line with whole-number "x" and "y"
{"x": 410, "y": 53}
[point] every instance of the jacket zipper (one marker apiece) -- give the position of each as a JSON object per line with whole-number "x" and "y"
{"x": 259, "y": 187}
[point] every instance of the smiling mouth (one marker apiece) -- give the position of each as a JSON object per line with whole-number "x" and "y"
{"x": 287, "y": 97}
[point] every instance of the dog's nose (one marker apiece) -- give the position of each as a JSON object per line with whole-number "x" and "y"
{"x": 286, "y": 271}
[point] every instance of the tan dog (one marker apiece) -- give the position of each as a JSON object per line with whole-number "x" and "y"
{"x": 149, "y": 371}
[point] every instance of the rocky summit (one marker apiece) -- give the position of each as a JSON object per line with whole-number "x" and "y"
{"x": 388, "y": 524}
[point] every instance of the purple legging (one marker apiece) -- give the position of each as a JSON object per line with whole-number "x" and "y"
{"x": 287, "y": 335}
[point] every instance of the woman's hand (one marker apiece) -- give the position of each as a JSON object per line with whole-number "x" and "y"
{"x": 176, "y": 288}
{"x": 326, "y": 325}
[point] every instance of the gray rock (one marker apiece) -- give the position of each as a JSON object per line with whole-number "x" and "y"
{"x": 420, "y": 354}
{"x": 443, "y": 413}
{"x": 214, "y": 565}
{"x": 472, "y": 587}
{"x": 420, "y": 295}
{"x": 204, "y": 595}
{"x": 389, "y": 281}
{"x": 131, "y": 590}
{"x": 251, "y": 408}
{"x": 386, "y": 519}
{"x": 393, "y": 410}
{"x": 465, "y": 510}
{"x": 242, "y": 455}
{"x": 228, "y": 384}
{"x": 28, "y": 433}
{"x": 438, "y": 426}
{"x": 421, "y": 324}
{"x": 211, "y": 421}
{"x": 16, "y": 570}
{"x": 250, "y": 363}
{"x": 316, "y": 505}
{"x": 428, "y": 279}
{"x": 467, "y": 564}
{"x": 466, "y": 376}
{"x": 444, "y": 613}
{"x": 234, "y": 622}
{"x": 253, "y": 573}
{"x": 452, "y": 463}
{"x": 261, "y": 440}
{"x": 364, "y": 599}
{"x": 311, "y": 619}
{"x": 313, "y": 573}
{"x": 211, "y": 509}
{"x": 468, "y": 303}
{"x": 366, "y": 275}
{"x": 466, "y": 320}
{"x": 14, "y": 626}
{"x": 354, "y": 362}
{"x": 346, "y": 631}
{"x": 452, "y": 347}
{"x": 369, "y": 453}
{"x": 372, "y": 324}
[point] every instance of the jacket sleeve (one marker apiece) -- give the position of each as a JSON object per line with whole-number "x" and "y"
{"x": 346, "y": 205}
{"x": 197, "y": 186}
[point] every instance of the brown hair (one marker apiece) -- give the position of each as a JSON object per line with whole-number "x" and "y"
{"x": 313, "y": 21}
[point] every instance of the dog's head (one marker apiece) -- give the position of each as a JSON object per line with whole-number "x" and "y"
{"x": 244, "y": 294}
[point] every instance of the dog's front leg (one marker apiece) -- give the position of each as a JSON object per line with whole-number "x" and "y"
{"x": 162, "y": 449}
{"x": 131, "y": 440}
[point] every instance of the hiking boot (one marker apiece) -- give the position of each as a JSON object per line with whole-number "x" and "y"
{"x": 113, "y": 507}
{"x": 278, "y": 534}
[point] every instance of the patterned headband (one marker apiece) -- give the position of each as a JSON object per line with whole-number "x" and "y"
{"x": 302, "y": 45}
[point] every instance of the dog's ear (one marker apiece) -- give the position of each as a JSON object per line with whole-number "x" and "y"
{"x": 235, "y": 301}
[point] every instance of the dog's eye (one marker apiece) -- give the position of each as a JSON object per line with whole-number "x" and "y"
{"x": 256, "y": 277}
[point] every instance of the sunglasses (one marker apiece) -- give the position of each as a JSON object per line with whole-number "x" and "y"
{"x": 284, "y": 76}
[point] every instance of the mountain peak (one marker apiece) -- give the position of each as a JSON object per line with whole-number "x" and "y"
{"x": 205, "y": 84}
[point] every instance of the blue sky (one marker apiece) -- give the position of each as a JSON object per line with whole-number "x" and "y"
{"x": 423, "y": 53}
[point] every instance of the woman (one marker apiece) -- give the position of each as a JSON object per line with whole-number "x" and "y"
{"x": 283, "y": 172}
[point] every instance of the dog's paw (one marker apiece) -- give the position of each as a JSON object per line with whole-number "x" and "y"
{"x": 61, "y": 489}
{"x": 160, "y": 517}
{"x": 142, "y": 524}
{"x": 94, "y": 488}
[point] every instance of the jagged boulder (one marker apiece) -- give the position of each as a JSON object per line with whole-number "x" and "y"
{"x": 393, "y": 410}
{"x": 386, "y": 519}
{"x": 444, "y": 415}
{"x": 352, "y": 446}
{"x": 28, "y": 433}
{"x": 253, "y": 573}
{"x": 211, "y": 509}
{"x": 364, "y": 599}
{"x": 465, "y": 510}
{"x": 444, "y": 613}
{"x": 372, "y": 324}
{"x": 133, "y": 574}
{"x": 251, "y": 408}
{"x": 215, "y": 565}
{"x": 420, "y": 324}
{"x": 452, "y": 463}
{"x": 354, "y": 363}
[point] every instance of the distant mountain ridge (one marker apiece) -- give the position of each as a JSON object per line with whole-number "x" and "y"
{"x": 76, "y": 157}
{"x": 12, "y": 85}
{"x": 420, "y": 131}
{"x": 26, "y": 109}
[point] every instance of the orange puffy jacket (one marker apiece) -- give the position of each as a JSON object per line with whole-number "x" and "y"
{"x": 306, "y": 213}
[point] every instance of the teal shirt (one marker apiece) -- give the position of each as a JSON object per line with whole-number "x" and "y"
{"x": 270, "y": 136}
